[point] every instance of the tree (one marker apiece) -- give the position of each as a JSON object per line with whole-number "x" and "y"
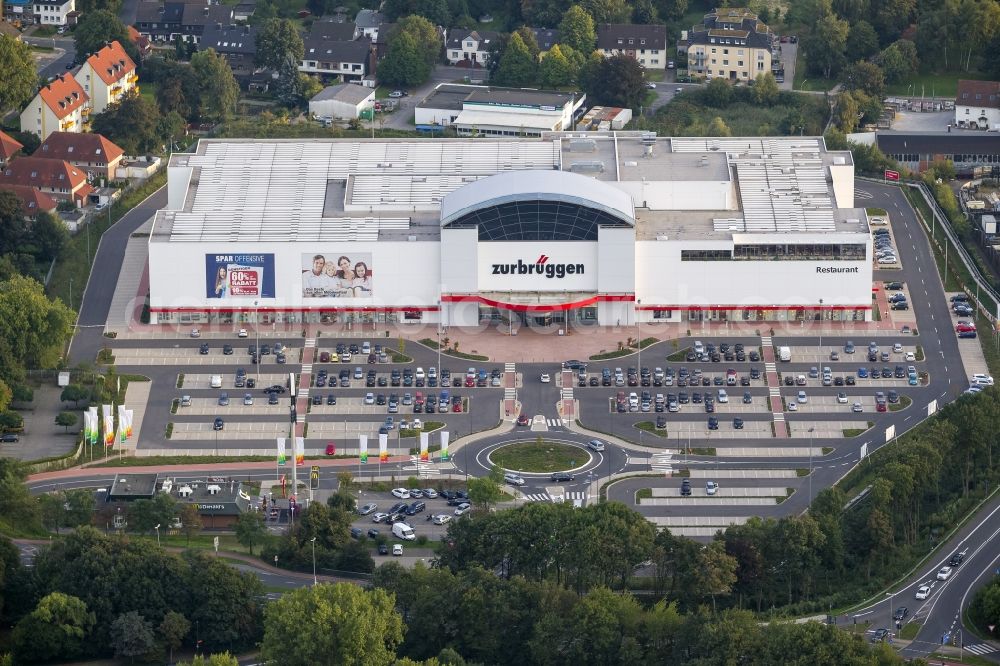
{"x": 645, "y": 13}
{"x": 173, "y": 629}
{"x": 672, "y": 9}
{"x": 404, "y": 65}
{"x": 517, "y": 67}
{"x": 21, "y": 393}
{"x": 339, "y": 624}
{"x": 14, "y": 228}
{"x": 893, "y": 16}
{"x": 862, "y": 41}
{"x": 218, "y": 659}
{"x": 66, "y": 420}
{"x": 577, "y": 30}
{"x": 618, "y": 82}
{"x": 216, "y": 84}
{"x": 250, "y": 529}
{"x": 98, "y": 28}
{"x": 278, "y": 40}
{"x": 864, "y": 76}
{"x": 424, "y": 34}
{"x": 765, "y": 90}
{"x": 543, "y": 12}
{"x": 716, "y": 571}
{"x": 190, "y": 521}
{"x": 74, "y": 393}
{"x": 77, "y": 507}
{"x": 6, "y": 395}
{"x": 719, "y": 93}
{"x": 556, "y": 70}
{"x": 145, "y": 514}
{"x": 33, "y": 329}
{"x": 898, "y": 61}
{"x": 17, "y": 71}
{"x": 132, "y": 636}
{"x": 57, "y": 628}
{"x": 132, "y": 123}
{"x": 826, "y": 45}
{"x": 718, "y": 127}
{"x": 608, "y": 11}
{"x": 48, "y": 236}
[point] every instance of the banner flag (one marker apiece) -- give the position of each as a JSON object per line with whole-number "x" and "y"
{"x": 122, "y": 420}
{"x": 94, "y": 424}
{"x": 109, "y": 425}
{"x": 424, "y": 442}
{"x": 383, "y": 447}
{"x": 281, "y": 450}
{"x": 444, "y": 445}
{"x": 363, "y": 448}
{"x": 128, "y": 423}
{"x": 86, "y": 427}
{"x": 300, "y": 451}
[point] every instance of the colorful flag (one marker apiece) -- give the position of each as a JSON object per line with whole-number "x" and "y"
{"x": 300, "y": 451}
{"x": 383, "y": 447}
{"x": 444, "y": 445}
{"x": 94, "y": 424}
{"x": 122, "y": 418}
{"x": 109, "y": 425}
{"x": 363, "y": 448}
{"x": 86, "y": 427}
{"x": 281, "y": 450}
{"x": 128, "y": 423}
{"x": 424, "y": 447}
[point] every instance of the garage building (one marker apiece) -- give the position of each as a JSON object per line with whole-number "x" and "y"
{"x": 569, "y": 229}
{"x": 344, "y": 101}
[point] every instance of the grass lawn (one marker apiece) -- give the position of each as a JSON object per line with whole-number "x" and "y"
{"x": 804, "y": 82}
{"x": 933, "y": 84}
{"x": 650, "y": 427}
{"x": 538, "y": 457}
{"x": 904, "y": 402}
{"x": 147, "y": 90}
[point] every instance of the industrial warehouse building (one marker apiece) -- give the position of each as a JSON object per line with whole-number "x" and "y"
{"x": 569, "y": 229}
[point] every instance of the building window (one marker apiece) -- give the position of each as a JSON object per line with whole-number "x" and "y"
{"x": 454, "y": 54}
{"x": 725, "y": 62}
{"x": 655, "y": 61}
{"x": 739, "y": 63}
{"x": 706, "y": 255}
{"x": 662, "y": 314}
{"x": 725, "y": 51}
{"x": 655, "y": 51}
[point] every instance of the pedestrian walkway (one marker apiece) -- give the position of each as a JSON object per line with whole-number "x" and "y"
{"x": 510, "y": 390}
{"x": 305, "y": 381}
{"x": 981, "y": 649}
{"x": 545, "y": 497}
{"x": 127, "y": 299}
{"x": 772, "y": 381}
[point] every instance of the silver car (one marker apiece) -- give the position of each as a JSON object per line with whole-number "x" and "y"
{"x": 595, "y": 445}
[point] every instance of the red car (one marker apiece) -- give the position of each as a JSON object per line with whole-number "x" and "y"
{"x": 457, "y": 407}
{"x": 331, "y": 449}
{"x": 470, "y": 382}
{"x": 523, "y": 419}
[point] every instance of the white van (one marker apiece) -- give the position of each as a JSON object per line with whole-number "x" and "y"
{"x": 419, "y": 373}
{"x": 785, "y": 353}
{"x": 216, "y": 381}
{"x": 403, "y": 531}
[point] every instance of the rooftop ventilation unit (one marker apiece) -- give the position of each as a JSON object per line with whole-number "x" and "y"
{"x": 595, "y": 166}
{"x": 582, "y": 146}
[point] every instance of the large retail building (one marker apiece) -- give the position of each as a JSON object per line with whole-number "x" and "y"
{"x": 567, "y": 228}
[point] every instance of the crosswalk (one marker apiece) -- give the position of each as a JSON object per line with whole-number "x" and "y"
{"x": 510, "y": 394}
{"x": 662, "y": 462}
{"x": 423, "y": 469}
{"x": 567, "y": 497}
{"x": 556, "y": 423}
{"x": 981, "y": 648}
{"x": 509, "y": 367}
{"x": 862, "y": 194}
{"x": 566, "y": 393}
{"x": 765, "y": 341}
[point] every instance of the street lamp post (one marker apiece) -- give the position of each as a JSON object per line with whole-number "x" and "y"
{"x": 313, "y": 541}
{"x": 157, "y": 528}
{"x": 811, "y": 431}
{"x": 892, "y": 599}
{"x": 256, "y": 325}
{"x": 821, "y": 326}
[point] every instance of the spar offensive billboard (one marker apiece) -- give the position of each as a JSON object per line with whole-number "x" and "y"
{"x": 239, "y": 275}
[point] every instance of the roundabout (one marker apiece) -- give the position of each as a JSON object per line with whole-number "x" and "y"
{"x": 540, "y": 456}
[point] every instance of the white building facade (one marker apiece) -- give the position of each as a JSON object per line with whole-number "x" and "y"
{"x": 565, "y": 231}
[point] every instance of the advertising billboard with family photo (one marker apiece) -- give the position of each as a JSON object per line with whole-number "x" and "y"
{"x": 239, "y": 275}
{"x": 337, "y": 275}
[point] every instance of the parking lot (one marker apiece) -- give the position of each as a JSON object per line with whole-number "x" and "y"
{"x": 684, "y": 430}
{"x": 188, "y": 356}
{"x": 200, "y": 381}
{"x": 233, "y": 430}
{"x": 825, "y": 429}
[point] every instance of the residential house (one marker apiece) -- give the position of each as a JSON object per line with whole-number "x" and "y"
{"x": 60, "y": 105}
{"x": 337, "y": 49}
{"x": 57, "y": 178}
{"x": 32, "y": 201}
{"x": 977, "y": 104}
{"x": 54, "y": 12}
{"x": 93, "y": 153}
{"x": 731, "y": 43}
{"x": 8, "y": 148}
{"x": 19, "y": 10}
{"x": 180, "y": 20}
{"x": 646, "y": 43}
{"x": 141, "y": 42}
{"x": 470, "y": 48}
{"x": 108, "y": 76}
{"x": 546, "y": 38}
{"x": 368, "y": 22}
{"x": 238, "y": 44}
{"x": 244, "y": 10}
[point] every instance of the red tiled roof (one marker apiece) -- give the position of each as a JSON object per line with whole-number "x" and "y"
{"x": 111, "y": 63}
{"x": 79, "y": 147}
{"x": 64, "y": 95}
{"x": 41, "y": 172}
{"x": 84, "y": 191}
{"x": 8, "y": 146}
{"x": 32, "y": 201}
{"x": 984, "y": 94}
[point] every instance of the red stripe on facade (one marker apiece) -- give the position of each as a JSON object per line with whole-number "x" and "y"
{"x": 394, "y": 308}
{"x": 754, "y": 307}
{"x": 540, "y": 307}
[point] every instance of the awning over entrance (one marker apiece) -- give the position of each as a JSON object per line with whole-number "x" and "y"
{"x": 520, "y": 301}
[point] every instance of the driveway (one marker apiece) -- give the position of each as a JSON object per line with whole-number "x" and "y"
{"x": 402, "y": 117}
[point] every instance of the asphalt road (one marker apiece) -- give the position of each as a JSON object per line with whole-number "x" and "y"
{"x": 58, "y": 66}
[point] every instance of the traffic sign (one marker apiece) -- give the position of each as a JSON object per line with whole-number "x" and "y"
{"x": 891, "y": 175}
